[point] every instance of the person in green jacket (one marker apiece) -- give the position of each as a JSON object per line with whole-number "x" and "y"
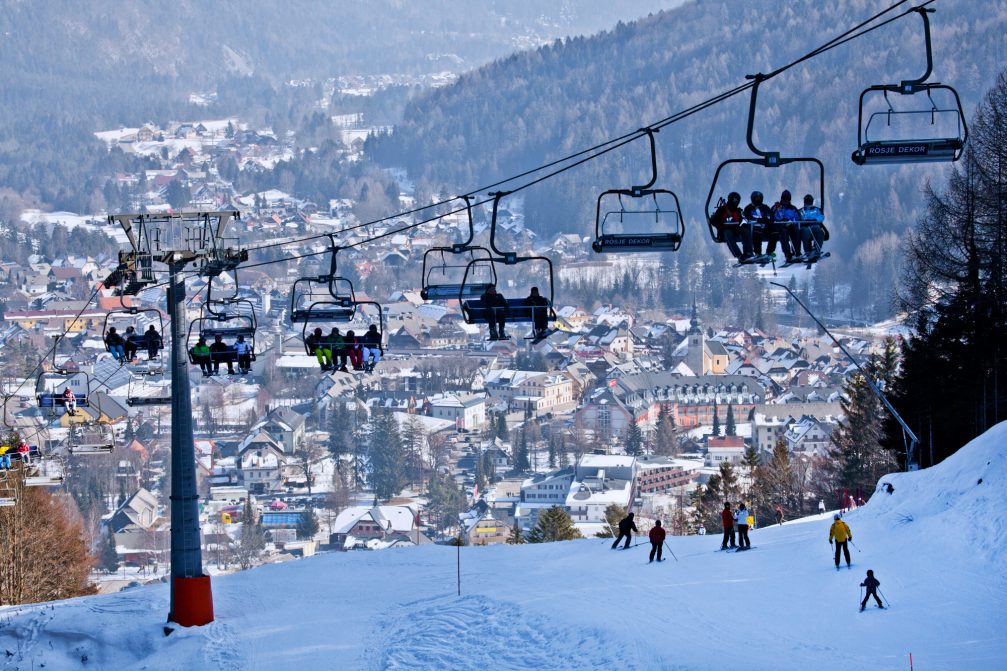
{"x": 201, "y": 355}
{"x": 337, "y": 346}
{"x": 841, "y": 532}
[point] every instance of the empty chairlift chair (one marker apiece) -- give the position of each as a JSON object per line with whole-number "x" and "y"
{"x": 652, "y": 223}
{"x": 444, "y": 268}
{"x": 911, "y": 134}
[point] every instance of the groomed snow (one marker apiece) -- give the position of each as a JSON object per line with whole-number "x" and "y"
{"x": 935, "y": 544}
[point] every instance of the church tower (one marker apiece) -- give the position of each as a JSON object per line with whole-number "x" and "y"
{"x": 695, "y": 358}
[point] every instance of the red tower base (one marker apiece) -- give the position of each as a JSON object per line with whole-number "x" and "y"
{"x": 193, "y": 601}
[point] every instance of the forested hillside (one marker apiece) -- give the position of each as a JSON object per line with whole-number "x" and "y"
{"x": 69, "y": 70}
{"x": 537, "y": 106}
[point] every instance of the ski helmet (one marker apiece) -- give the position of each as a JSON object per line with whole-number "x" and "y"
{"x": 734, "y": 197}
{"x": 836, "y": 516}
{"x": 785, "y": 196}
{"x": 757, "y": 197}
{"x": 808, "y": 198}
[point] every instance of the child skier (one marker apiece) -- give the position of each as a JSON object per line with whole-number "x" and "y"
{"x": 872, "y": 584}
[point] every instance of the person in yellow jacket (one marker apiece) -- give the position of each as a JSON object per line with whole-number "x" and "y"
{"x": 841, "y": 532}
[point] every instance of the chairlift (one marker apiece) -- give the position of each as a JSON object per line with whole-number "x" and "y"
{"x": 49, "y": 386}
{"x": 136, "y": 399}
{"x": 8, "y": 491}
{"x": 946, "y": 141}
{"x": 230, "y": 318}
{"x": 518, "y": 310}
{"x": 90, "y": 438}
{"x": 765, "y": 159}
{"x": 444, "y": 267}
{"x": 329, "y": 298}
{"x": 653, "y": 224}
{"x": 133, "y": 314}
{"x": 44, "y": 471}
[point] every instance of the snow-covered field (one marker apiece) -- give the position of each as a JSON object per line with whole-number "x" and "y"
{"x": 935, "y": 543}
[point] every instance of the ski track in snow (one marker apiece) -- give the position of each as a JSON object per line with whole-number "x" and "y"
{"x": 476, "y": 632}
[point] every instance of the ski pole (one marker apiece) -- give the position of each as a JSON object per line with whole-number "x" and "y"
{"x": 670, "y": 550}
{"x": 887, "y": 603}
{"x": 854, "y": 545}
{"x": 861, "y": 595}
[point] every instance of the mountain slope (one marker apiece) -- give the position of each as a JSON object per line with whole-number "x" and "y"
{"x": 537, "y": 106}
{"x": 934, "y": 544}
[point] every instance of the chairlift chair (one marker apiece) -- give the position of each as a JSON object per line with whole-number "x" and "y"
{"x": 662, "y": 227}
{"x": 8, "y": 493}
{"x": 518, "y": 309}
{"x": 444, "y": 267}
{"x": 91, "y": 438}
{"x": 230, "y": 317}
{"x": 329, "y": 298}
{"x": 133, "y": 399}
{"x": 44, "y": 471}
{"x": 765, "y": 159}
{"x": 139, "y": 340}
{"x": 940, "y": 146}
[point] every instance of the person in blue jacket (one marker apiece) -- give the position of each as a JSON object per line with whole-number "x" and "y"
{"x": 785, "y": 224}
{"x": 812, "y": 229}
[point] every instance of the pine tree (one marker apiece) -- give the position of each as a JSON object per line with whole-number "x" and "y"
{"x": 614, "y": 513}
{"x": 521, "y": 463}
{"x": 633, "y": 443}
{"x": 729, "y": 482}
{"x": 729, "y": 428}
{"x": 716, "y": 419}
{"x": 307, "y": 527}
{"x": 385, "y": 453}
{"x": 665, "y": 434}
{"x": 554, "y": 524}
{"x": 253, "y": 538}
{"x": 109, "y": 559}
{"x": 515, "y": 537}
{"x": 501, "y": 422}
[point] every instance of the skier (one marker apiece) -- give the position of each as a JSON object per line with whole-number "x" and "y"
{"x": 539, "y": 312}
{"x": 741, "y": 519}
{"x": 727, "y": 519}
{"x": 872, "y": 584}
{"x": 657, "y": 535}
{"x": 821, "y": 507}
{"x": 626, "y": 528}
{"x": 24, "y": 452}
{"x": 496, "y": 311}
{"x": 841, "y": 532}
{"x": 779, "y": 514}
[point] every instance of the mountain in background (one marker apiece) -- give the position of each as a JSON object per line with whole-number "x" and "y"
{"x": 69, "y": 71}
{"x": 536, "y": 106}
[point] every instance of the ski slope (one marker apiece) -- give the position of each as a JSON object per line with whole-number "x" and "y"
{"x": 935, "y": 544}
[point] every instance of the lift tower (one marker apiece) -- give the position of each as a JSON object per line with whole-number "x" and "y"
{"x": 177, "y": 240}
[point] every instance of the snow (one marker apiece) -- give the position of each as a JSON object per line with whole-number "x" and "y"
{"x": 934, "y": 543}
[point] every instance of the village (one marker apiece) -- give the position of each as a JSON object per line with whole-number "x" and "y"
{"x": 611, "y": 409}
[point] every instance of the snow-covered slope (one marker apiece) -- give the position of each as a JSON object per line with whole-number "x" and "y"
{"x": 935, "y": 543}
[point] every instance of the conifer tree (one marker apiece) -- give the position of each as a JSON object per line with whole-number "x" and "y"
{"x": 613, "y": 515}
{"x": 729, "y": 482}
{"x": 554, "y": 524}
{"x": 385, "y": 453}
{"x": 665, "y": 433}
{"x": 109, "y": 559}
{"x": 716, "y": 419}
{"x": 253, "y": 537}
{"x": 308, "y": 525}
{"x": 634, "y": 439}
{"x": 729, "y": 428}
{"x": 521, "y": 463}
{"x": 516, "y": 537}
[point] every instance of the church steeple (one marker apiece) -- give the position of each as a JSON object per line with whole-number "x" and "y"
{"x": 695, "y": 357}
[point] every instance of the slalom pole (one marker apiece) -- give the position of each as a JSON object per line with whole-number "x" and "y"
{"x": 887, "y": 603}
{"x": 670, "y": 550}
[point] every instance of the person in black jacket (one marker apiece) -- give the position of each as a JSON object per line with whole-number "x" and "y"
{"x": 758, "y": 215}
{"x": 496, "y": 312}
{"x": 872, "y": 584}
{"x": 626, "y": 528}
{"x": 540, "y": 312}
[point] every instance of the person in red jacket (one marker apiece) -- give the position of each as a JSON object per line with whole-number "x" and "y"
{"x": 657, "y": 535}
{"x": 727, "y": 519}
